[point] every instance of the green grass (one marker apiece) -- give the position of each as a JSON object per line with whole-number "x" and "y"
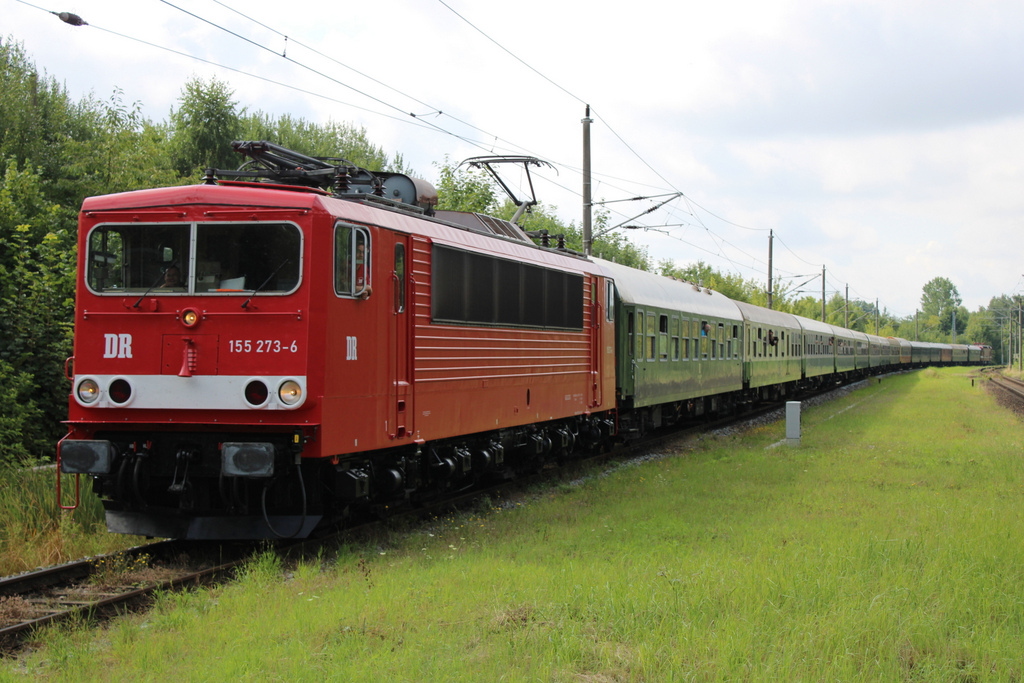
{"x": 35, "y": 532}
{"x": 886, "y": 547}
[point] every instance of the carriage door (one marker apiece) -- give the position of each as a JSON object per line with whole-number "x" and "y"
{"x": 400, "y": 416}
{"x": 596, "y": 341}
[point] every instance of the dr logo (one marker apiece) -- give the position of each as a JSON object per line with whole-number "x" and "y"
{"x": 117, "y": 346}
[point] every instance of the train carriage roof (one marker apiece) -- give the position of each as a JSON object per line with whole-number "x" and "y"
{"x": 765, "y": 316}
{"x": 640, "y": 288}
{"x": 814, "y": 326}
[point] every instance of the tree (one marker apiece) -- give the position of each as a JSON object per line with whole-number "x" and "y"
{"x": 204, "y": 126}
{"x": 333, "y": 139}
{"x": 731, "y": 285}
{"x": 37, "y": 119}
{"x": 37, "y": 267}
{"x": 461, "y": 188}
{"x": 939, "y": 298}
{"x": 124, "y": 152}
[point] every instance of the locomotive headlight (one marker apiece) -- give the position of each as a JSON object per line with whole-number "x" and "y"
{"x": 189, "y": 317}
{"x": 88, "y": 391}
{"x": 290, "y": 392}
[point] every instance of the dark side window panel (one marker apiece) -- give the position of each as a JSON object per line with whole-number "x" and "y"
{"x": 478, "y": 289}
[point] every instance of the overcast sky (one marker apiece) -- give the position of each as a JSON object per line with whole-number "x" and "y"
{"x": 880, "y": 139}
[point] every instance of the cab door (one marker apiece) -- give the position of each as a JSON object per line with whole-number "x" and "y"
{"x": 400, "y": 418}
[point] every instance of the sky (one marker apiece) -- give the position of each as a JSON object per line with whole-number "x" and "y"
{"x": 879, "y": 140}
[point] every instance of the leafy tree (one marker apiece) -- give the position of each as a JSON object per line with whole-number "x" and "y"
{"x": 125, "y": 151}
{"x": 613, "y": 247}
{"x": 939, "y": 298}
{"x": 982, "y": 328}
{"x": 732, "y": 285}
{"x": 37, "y": 269}
{"x": 21, "y": 420}
{"x": 332, "y": 139}
{"x": 461, "y": 188}
{"x": 203, "y": 127}
{"x": 37, "y": 120}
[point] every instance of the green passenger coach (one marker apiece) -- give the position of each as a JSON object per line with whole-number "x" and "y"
{"x": 681, "y": 345}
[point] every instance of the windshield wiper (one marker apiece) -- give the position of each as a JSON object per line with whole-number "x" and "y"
{"x": 155, "y": 284}
{"x": 264, "y": 283}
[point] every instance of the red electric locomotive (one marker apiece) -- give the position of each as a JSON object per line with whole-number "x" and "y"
{"x": 254, "y": 358}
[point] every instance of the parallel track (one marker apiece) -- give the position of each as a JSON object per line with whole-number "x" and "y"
{"x": 1013, "y": 387}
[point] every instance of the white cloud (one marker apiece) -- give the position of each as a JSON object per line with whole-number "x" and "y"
{"x": 861, "y": 131}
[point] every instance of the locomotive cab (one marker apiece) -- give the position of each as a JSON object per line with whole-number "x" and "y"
{"x": 190, "y": 397}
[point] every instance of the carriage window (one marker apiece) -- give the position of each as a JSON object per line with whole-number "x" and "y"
{"x": 399, "y": 278}
{"x": 631, "y": 332}
{"x": 469, "y": 288}
{"x": 194, "y": 258}
{"x": 675, "y": 338}
{"x": 351, "y": 261}
{"x": 609, "y": 301}
{"x": 639, "y": 334}
{"x": 651, "y": 326}
{"x": 663, "y": 337}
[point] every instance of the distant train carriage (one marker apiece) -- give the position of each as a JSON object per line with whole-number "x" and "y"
{"x": 879, "y": 352}
{"x": 819, "y": 358}
{"x": 973, "y": 354}
{"x": 678, "y": 343}
{"x": 905, "y": 349}
{"x": 960, "y": 354}
{"x": 772, "y": 350}
{"x": 926, "y": 353}
{"x": 851, "y": 349}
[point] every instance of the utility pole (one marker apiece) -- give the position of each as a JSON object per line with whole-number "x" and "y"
{"x": 587, "y": 206}
{"x": 876, "y": 317}
{"x": 771, "y": 238}
{"x": 823, "y": 293}
{"x": 846, "y": 324}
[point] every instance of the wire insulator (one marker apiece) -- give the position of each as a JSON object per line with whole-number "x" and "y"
{"x": 72, "y": 18}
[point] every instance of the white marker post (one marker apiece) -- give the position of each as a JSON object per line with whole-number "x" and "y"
{"x": 792, "y": 423}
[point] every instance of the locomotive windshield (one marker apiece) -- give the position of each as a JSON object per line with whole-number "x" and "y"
{"x": 194, "y": 258}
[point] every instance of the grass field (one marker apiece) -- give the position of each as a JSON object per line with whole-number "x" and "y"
{"x": 34, "y": 532}
{"x": 886, "y": 547}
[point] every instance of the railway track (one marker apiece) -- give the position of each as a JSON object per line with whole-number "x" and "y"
{"x": 1014, "y": 387}
{"x": 1009, "y": 391}
{"x": 106, "y": 585}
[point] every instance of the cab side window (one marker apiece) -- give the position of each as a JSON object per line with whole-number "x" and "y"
{"x": 351, "y": 261}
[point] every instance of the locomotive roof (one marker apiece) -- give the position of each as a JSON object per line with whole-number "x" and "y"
{"x": 640, "y": 288}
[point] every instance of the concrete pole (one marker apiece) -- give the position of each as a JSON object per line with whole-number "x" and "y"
{"x": 823, "y": 294}
{"x": 587, "y": 205}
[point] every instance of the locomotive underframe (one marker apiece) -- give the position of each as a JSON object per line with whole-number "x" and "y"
{"x": 175, "y": 484}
